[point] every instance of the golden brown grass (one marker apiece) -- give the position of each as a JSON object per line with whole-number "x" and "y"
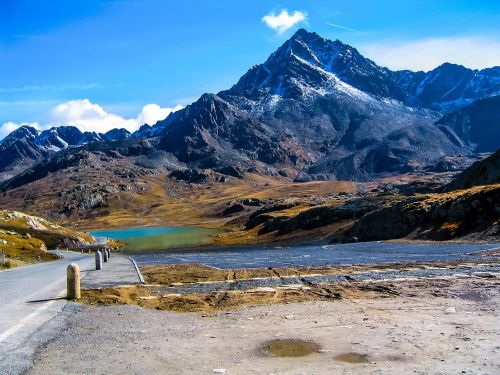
{"x": 457, "y": 194}
{"x": 50, "y": 233}
{"x": 168, "y": 274}
{"x": 156, "y": 296}
{"x": 161, "y": 201}
{"x": 21, "y": 250}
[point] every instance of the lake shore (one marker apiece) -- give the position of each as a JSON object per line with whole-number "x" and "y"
{"x": 150, "y": 238}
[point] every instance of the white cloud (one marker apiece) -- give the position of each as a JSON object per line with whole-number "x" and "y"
{"x": 427, "y": 54}
{"x": 284, "y": 21}
{"x": 8, "y": 127}
{"x": 152, "y": 113}
{"x": 88, "y": 116}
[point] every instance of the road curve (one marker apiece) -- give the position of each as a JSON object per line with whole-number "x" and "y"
{"x": 28, "y": 300}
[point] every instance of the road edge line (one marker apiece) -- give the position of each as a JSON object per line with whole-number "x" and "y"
{"x": 141, "y": 278}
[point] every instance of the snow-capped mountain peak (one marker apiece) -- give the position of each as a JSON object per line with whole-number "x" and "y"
{"x": 23, "y": 132}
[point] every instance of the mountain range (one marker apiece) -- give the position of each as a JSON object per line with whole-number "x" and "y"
{"x": 26, "y": 145}
{"x": 314, "y": 110}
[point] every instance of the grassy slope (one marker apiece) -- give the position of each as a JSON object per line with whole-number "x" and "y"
{"x": 157, "y": 199}
{"x": 25, "y": 238}
{"x": 21, "y": 250}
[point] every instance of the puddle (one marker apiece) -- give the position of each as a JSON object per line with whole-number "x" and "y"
{"x": 290, "y": 348}
{"x": 353, "y": 358}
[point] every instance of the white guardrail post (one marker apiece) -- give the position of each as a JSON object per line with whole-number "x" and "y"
{"x": 98, "y": 260}
{"x": 73, "y": 282}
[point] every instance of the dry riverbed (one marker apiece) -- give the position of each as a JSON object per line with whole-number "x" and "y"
{"x": 198, "y": 288}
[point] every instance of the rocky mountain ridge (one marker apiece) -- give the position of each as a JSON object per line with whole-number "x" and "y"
{"x": 445, "y": 88}
{"x": 314, "y": 110}
{"x": 330, "y": 113}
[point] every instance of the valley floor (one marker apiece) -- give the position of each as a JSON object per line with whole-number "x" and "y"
{"x": 432, "y": 331}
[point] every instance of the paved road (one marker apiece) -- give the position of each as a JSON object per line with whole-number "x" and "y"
{"x": 31, "y": 296}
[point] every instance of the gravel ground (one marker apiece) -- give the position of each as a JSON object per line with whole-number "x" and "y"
{"x": 325, "y": 279}
{"x": 400, "y": 335}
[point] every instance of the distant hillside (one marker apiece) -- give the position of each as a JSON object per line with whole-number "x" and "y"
{"x": 477, "y": 125}
{"x": 484, "y": 172}
{"x": 472, "y": 213}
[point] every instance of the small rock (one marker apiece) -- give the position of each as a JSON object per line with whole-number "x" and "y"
{"x": 219, "y": 370}
{"x": 263, "y": 289}
{"x": 450, "y": 310}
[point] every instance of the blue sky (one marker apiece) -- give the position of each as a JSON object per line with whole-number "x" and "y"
{"x": 94, "y": 63}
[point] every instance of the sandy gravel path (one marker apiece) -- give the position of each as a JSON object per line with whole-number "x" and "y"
{"x": 394, "y": 335}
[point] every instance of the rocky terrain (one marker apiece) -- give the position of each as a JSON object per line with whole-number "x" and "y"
{"x": 484, "y": 172}
{"x": 25, "y": 238}
{"x": 417, "y": 210}
{"x": 472, "y": 213}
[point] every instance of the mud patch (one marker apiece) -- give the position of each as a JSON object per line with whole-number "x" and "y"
{"x": 352, "y": 357}
{"x": 475, "y": 296}
{"x": 290, "y": 348}
{"x": 396, "y": 358}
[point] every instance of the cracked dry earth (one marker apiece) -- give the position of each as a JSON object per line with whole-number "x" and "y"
{"x": 433, "y": 328}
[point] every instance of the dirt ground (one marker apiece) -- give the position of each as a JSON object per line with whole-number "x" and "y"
{"x": 156, "y": 294}
{"x": 438, "y": 326}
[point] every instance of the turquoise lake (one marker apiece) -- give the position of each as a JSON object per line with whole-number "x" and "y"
{"x": 144, "y": 239}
